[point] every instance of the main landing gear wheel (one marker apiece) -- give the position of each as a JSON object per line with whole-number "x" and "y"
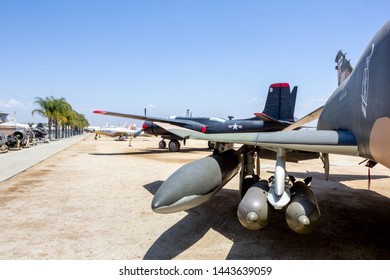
{"x": 162, "y": 144}
{"x": 174, "y": 145}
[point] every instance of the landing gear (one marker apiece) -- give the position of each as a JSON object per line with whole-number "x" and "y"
{"x": 325, "y": 161}
{"x": 174, "y": 145}
{"x": 131, "y": 139}
{"x": 162, "y": 144}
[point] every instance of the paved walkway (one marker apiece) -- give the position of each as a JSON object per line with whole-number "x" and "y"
{"x": 14, "y": 162}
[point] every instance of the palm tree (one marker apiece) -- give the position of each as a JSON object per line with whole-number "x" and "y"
{"x": 46, "y": 109}
{"x": 58, "y": 116}
{"x": 60, "y": 113}
{"x": 71, "y": 119}
{"x": 64, "y": 110}
{"x": 79, "y": 123}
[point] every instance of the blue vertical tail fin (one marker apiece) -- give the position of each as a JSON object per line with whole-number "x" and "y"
{"x": 280, "y": 103}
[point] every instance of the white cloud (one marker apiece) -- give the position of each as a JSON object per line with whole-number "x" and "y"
{"x": 12, "y": 103}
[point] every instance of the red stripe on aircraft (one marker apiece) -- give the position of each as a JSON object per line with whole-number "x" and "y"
{"x": 280, "y": 85}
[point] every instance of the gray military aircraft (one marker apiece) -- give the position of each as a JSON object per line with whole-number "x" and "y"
{"x": 363, "y": 96}
{"x": 278, "y": 114}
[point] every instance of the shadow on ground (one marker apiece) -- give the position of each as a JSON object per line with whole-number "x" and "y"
{"x": 355, "y": 224}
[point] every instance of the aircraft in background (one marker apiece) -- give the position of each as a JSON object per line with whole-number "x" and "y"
{"x": 120, "y": 132}
{"x": 5, "y": 121}
{"x": 278, "y": 114}
{"x": 91, "y": 129}
{"x": 354, "y": 121}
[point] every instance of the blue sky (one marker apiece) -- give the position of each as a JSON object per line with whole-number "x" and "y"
{"x": 216, "y": 58}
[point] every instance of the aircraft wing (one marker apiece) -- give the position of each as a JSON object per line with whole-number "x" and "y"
{"x": 323, "y": 141}
{"x": 181, "y": 123}
{"x": 130, "y": 116}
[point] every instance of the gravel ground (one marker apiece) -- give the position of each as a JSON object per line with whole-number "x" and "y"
{"x": 92, "y": 201}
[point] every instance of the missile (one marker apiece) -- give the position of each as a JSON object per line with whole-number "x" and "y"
{"x": 254, "y": 210}
{"x": 303, "y": 213}
{"x": 196, "y": 182}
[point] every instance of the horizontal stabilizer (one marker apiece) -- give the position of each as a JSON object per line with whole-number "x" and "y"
{"x": 267, "y": 118}
{"x": 306, "y": 119}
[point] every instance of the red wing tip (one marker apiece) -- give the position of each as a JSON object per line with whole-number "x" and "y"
{"x": 99, "y": 112}
{"x": 258, "y": 114}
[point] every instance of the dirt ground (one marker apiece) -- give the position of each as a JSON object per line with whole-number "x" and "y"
{"x": 92, "y": 201}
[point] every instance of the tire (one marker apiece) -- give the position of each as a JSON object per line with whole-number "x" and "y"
{"x": 162, "y": 144}
{"x": 174, "y": 145}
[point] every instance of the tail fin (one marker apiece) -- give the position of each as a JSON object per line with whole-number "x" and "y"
{"x": 131, "y": 126}
{"x": 280, "y": 103}
{"x": 343, "y": 67}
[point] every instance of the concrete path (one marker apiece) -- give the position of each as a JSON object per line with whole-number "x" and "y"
{"x": 14, "y": 162}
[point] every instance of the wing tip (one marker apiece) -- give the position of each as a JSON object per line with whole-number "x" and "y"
{"x": 99, "y": 112}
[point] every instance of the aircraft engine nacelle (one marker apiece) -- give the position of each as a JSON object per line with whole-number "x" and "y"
{"x": 153, "y": 129}
{"x": 303, "y": 213}
{"x": 22, "y": 136}
{"x": 254, "y": 210}
{"x": 196, "y": 127}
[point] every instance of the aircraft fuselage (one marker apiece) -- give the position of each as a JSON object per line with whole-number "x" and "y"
{"x": 210, "y": 125}
{"x": 361, "y": 103}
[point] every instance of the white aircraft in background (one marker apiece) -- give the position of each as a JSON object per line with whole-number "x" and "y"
{"x": 120, "y": 132}
{"x": 91, "y": 129}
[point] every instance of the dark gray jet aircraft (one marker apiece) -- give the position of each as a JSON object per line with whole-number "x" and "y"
{"x": 278, "y": 114}
{"x": 354, "y": 121}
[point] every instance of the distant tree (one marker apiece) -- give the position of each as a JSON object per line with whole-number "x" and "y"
{"x": 60, "y": 114}
{"x": 79, "y": 123}
{"x": 63, "y": 111}
{"x": 46, "y": 109}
